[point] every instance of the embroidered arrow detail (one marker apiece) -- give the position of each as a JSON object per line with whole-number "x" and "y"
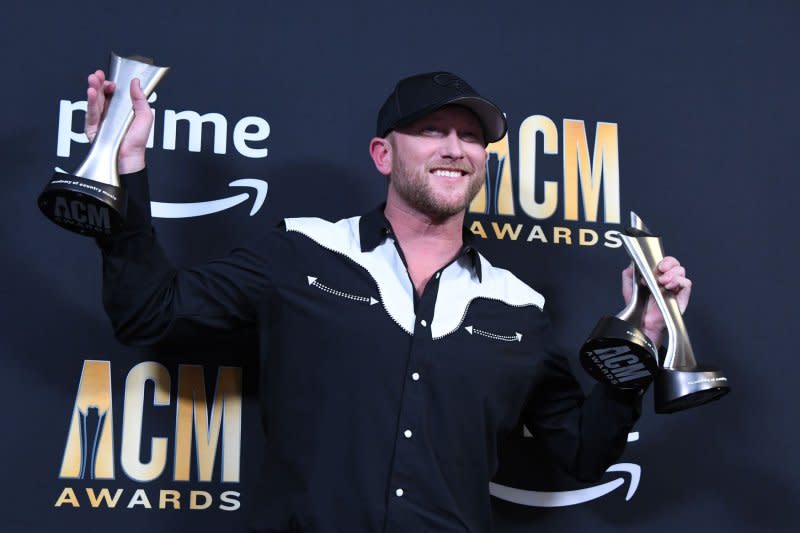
{"x": 516, "y": 337}
{"x": 366, "y": 299}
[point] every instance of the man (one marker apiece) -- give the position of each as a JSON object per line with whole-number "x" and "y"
{"x": 395, "y": 356}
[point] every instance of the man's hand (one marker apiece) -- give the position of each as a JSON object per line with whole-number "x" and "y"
{"x": 671, "y": 277}
{"x": 133, "y": 147}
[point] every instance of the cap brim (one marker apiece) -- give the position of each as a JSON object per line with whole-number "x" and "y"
{"x": 491, "y": 118}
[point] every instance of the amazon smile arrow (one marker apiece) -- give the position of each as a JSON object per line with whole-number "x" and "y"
{"x": 198, "y": 209}
{"x": 535, "y": 498}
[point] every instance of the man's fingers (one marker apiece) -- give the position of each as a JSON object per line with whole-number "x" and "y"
{"x": 673, "y": 274}
{"x": 678, "y": 283}
{"x": 140, "y": 106}
{"x": 667, "y": 263}
{"x": 670, "y": 275}
{"x": 96, "y": 79}
{"x": 94, "y": 109}
{"x": 137, "y": 95}
{"x": 627, "y": 274}
{"x": 91, "y": 102}
{"x": 627, "y": 282}
{"x": 98, "y": 89}
{"x": 97, "y": 94}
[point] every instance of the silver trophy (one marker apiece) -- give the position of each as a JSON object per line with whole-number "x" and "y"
{"x": 90, "y": 201}
{"x": 619, "y": 353}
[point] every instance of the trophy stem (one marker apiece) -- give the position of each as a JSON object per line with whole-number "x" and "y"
{"x": 637, "y": 304}
{"x": 101, "y": 162}
{"x": 646, "y": 252}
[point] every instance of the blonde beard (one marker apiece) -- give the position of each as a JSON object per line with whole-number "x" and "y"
{"x": 416, "y": 191}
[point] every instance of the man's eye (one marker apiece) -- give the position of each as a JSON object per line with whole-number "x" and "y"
{"x": 430, "y": 130}
{"x": 471, "y": 137}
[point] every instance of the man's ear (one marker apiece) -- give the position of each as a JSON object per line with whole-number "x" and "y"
{"x": 380, "y": 149}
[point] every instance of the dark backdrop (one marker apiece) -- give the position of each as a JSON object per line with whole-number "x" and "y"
{"x": 701, "y": 95}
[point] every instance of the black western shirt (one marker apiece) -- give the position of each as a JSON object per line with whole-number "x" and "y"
{"x": 384, "y": 408}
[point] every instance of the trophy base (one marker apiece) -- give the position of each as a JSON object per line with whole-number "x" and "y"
{"x": 83, "y": 206}
{"x": 676, "y": 390}
{"x": 619, "y": 354}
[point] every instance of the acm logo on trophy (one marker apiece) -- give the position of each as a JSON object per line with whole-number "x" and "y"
{"x": 619, "y": 353}
{"x": 90, "y": 201}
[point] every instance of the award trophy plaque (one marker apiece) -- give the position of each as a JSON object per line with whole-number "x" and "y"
{"x": 619, "y": 353}
{"x": 90, "y": 201}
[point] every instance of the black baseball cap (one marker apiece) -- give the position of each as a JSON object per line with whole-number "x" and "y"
{"x": 416, "y": 96}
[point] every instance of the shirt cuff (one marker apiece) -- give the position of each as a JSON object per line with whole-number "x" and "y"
{"x": 137, "y": 186}
{"x": 631, "y": 397}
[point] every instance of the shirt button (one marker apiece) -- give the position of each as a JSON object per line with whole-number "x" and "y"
{"x": 438, "y": 274}
{"x": 423, "y": 323}
{"x": 415, "y": 376}
{"x": 407, "y": 433}
{"x": 399, "y": 492}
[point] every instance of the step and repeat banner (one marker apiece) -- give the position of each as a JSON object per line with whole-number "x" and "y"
{"x": 684, "y": 112}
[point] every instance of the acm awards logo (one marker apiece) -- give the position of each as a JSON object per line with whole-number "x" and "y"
{"x": 198, "y": 439}
{"x": 585, "y": 180}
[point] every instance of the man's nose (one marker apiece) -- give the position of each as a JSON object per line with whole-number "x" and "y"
{"x": 452, "y": 146}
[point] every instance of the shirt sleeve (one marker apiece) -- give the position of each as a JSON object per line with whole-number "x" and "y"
{"x": 584, "y": 434}
{"x": 149, "y": 300}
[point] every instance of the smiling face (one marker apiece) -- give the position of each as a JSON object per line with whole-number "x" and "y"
{"x": 437, "y": 164}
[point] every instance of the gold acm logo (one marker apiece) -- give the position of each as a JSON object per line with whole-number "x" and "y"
{"x": 588, "y": 181}
{"x": 201, "y": 436}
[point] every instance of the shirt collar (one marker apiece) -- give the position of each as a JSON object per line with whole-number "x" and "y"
{"x": 374, "y": 227}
